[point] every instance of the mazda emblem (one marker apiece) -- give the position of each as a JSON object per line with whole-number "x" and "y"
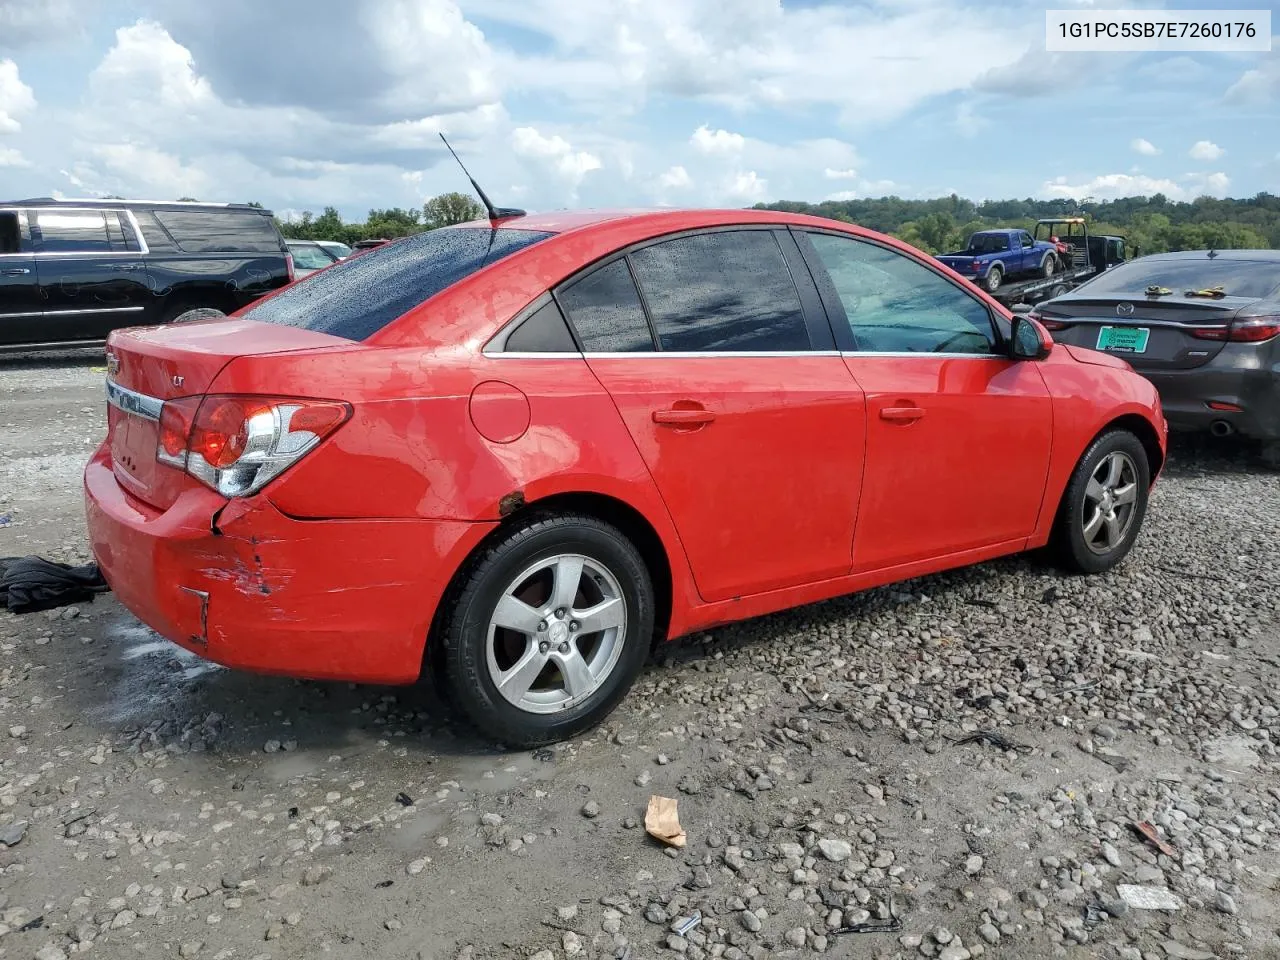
{"x": 1124, "y": 309}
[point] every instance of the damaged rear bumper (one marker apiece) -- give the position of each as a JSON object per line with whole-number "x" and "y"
{"x": 243, "y": 585}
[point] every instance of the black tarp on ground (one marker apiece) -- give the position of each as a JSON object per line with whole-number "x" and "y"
{"x": 28, "y": 584}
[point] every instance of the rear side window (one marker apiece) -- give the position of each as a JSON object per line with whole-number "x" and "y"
{"x": 728, "y": 291}
{"x": 543, "y": 331}
{"x": 220, "y": 231}
{"x": 356, "y": 298}
{"x": 73, "y": 231}
{"x": 10, "y": 232}
{"x": 605, "y": 309}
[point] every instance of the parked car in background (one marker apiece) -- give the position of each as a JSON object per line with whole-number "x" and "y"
{"x": 1080, "y": 256}
{"x": 1202, "y": 325}
{"x": 993, "y": 255}
{"x": 368, "y": 244}
{"x": 340, "y": 250}
{"x": 653, "y": 424}
{"x": 309, "y": 256}
{"x": 71, "y": 271}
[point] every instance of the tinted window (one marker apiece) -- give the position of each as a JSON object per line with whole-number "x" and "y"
{"x": 543, "y": 331}
{"x": 895, "y": 304}
{"x": 1256, "y": 279}
{"x": 157, "y": 240}
{"x": 1026, "y": 240}
{"x": 721, "y": 291}
{"x": 10, "y": 233}
{"x": 360, "y": 296}
{"x": 72, "y": 231}
{"x": 605, "y": 310}
{"x": 220, "y": 231}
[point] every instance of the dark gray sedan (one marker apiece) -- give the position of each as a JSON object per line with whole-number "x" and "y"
{"x": 1202, "y": 325}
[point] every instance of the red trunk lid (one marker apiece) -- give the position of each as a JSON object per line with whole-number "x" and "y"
{"x": 154, "y": 364}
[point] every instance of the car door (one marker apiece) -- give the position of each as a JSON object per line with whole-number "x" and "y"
{"x": 20, "y": 309}
{"x": 92, "y": 274}
{"x": 1030, "y": 256}
{"x": 958, "y": 435}
{"x": 726, "y": 375}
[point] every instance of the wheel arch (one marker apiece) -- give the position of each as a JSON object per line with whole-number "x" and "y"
{"x": 616, "y": 512}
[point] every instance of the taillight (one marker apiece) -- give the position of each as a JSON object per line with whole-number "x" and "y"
{"x": 237, "y": 444}
{"x": 288, "y": 262}
{"x": 1252, "y": 330}
{"x": 1048, "y": 322}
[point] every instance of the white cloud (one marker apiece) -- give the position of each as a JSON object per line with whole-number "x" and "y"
{"x": 1260, "y": 84}
{"x": 1112, "y": 186}
{"x": 16, "y": 98}
{"x": 967, "y": 122}
{"x": 12, "y": 157}
{"x": 840, "y": 196}
{"x": 747, "y": 187}
{"x": 572, "y": 165}
{"x": 1144, "y": 147}
{"x": 706, "y": 140}
{"x": 1205, "y": 150}
{"x": 23, "y": 22}
{"x": 847, "y": 174}
{"x": 675, "y": 178}
{"x": 165, "y": 174}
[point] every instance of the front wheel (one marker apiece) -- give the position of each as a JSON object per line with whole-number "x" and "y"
{"x": 995, "y": 277}
{"x": 1104, "y": 505}
{"x": 549, "y": 630}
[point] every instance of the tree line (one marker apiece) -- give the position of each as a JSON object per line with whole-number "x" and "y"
{"x": 1152, "y": 224}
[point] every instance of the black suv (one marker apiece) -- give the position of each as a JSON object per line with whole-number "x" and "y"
{"x": 71, "y": 271}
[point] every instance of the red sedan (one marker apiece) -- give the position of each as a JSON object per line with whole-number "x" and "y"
{"x": 521, "y": 453}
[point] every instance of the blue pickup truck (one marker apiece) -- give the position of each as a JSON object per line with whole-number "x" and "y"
{"x": 993, "y": 255}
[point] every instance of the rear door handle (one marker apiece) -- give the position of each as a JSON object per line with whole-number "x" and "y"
{"x": 15, "y": 271}
{"x": 901, "y": 414}
{"x": 683, "y": 418}
{"x": 124, "y": 267}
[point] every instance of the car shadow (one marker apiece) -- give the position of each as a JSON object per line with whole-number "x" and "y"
{"x": 1197, "y": 454}
{"x": 80, "y": 357}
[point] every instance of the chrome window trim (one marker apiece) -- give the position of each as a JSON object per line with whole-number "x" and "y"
{"x": 668, "y": 354}
{"x": 24, "y": 313}
{"x": 921, "y": 355}
{"x": 68, "y": 313}
{"x": 130, "y": 401}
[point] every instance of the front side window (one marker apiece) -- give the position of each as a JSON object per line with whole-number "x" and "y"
{"x": 309, "y": 257}
{"x": 72, "y": 231}
{"x": 729, "y": 291}
{"x": 894, "y": 304}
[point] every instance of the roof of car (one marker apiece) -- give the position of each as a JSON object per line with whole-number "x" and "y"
{"x": 563, "y": 221}
{"x": 1267, "y": 256}
{"x": 108, "y": 202}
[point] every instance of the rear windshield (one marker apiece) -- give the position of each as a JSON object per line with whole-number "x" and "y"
{"x": 356, "y": 298}
{"x": 1254, "y": 279}
{"x": 988, "y": 242}
{"x": 220, "y": 231}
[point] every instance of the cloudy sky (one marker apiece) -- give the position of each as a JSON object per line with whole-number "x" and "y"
{"x": 559, "y": 103}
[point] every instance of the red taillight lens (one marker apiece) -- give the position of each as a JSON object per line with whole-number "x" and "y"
{"x": 1252, "y": 330}
{"x": 236, "y": 444}
{"x": 288, "y": 262}
{"x": 1048, "y": 322}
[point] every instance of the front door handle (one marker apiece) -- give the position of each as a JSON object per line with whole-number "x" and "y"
{"x": 901, "y": 414}
{"x": 15, "y": 271}
{"x": 124, "y": 267}
{"x": 683, "y": 418}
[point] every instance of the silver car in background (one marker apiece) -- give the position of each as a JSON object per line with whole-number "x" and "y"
{"x": 1202, "y": 325}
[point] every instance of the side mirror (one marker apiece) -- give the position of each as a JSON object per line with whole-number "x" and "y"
{"x": 1028, "y": 340}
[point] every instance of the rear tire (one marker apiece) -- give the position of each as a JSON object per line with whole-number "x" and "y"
{"x": 1048, "y": 266}
{"x": 995, "y": 277}
{"x": 546, "y": 675}
{"x": 1104, "y": 504}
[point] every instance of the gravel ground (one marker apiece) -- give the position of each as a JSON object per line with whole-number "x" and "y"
{"x": 154, "y": 805}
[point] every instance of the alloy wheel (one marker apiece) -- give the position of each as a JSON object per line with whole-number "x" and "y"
{"x": 1110, "y": 498}
{"x": 556, "y": 633}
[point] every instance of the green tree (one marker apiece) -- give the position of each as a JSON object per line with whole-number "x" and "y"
{"x": 450, "y": 208}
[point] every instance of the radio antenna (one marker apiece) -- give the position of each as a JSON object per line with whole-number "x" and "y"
{"x": 495, "y": 213}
